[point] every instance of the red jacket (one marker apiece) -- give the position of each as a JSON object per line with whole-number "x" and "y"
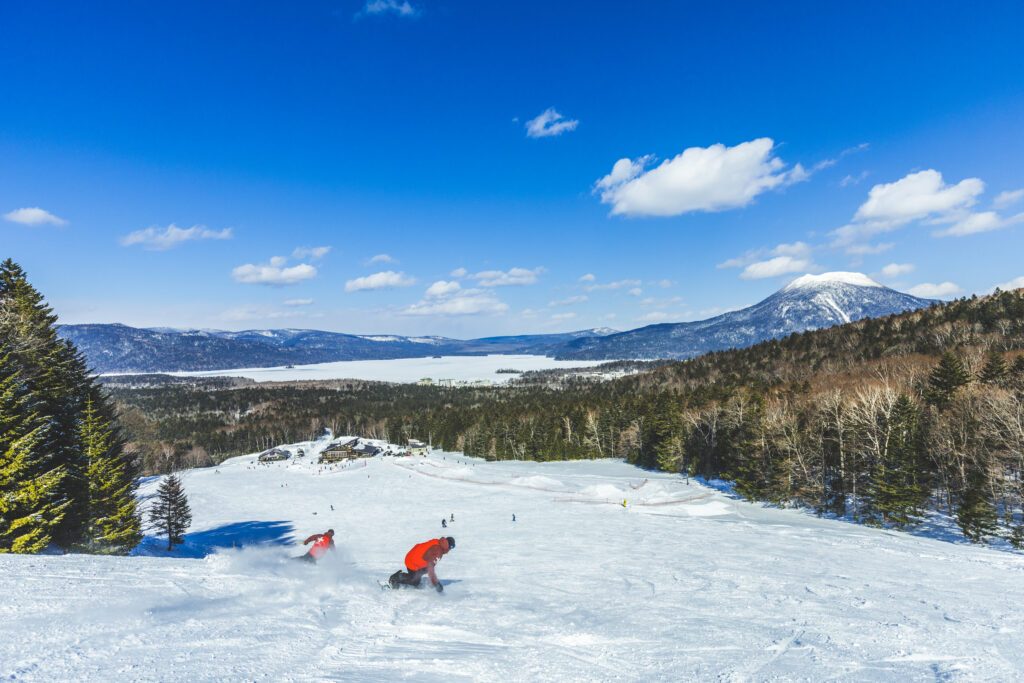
{"x": 425, "y": 555}
{"x": 322, "y": 544}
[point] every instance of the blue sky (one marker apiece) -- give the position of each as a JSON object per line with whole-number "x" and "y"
{"x": 513, "y": 167}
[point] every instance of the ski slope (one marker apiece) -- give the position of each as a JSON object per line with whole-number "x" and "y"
{"x": 682, "y": 583}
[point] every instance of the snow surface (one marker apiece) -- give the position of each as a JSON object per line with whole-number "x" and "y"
{"x": 847, "y": 278}
{"x": 684, "y": 582}
{"x": 457, "y": 368}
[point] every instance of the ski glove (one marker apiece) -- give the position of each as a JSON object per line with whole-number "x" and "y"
{"x": 439, "y": 587}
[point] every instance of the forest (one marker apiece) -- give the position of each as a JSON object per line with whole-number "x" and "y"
{"x": 66, "y": 479}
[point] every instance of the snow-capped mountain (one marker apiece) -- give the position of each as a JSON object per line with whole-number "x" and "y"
{"x": 119, "y": 348}
{"x": 807, "y": 303}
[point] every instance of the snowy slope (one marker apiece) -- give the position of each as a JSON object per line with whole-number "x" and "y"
{"x": 810, "y": 302}
{"x": 684, "y": 583}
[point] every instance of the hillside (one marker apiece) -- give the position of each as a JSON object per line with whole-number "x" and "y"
{"x": 808, "y": 303}
{"x": 112, "y": 348}
{"x": 806, "y": 420}
{"x": 684, "y": 583}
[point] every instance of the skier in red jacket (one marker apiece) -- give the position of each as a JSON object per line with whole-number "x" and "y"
{"x": 321, "y": 544}
{"x": 421, "y": 560}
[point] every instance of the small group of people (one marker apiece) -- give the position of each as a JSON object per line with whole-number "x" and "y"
{"x": 419, "y": 561}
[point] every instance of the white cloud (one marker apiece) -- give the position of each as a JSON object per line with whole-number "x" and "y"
{"x": 513, "y": 276}
{"x": 617, "y": 284}
{"x": 274, "y": 273}
{"x": 636, "y": 291}
{"x": 311, "y": 252}
{"x": 1015, "y": 283}
{"x": 466, "y": 302}
{"x": 563, "y": 316}
{"x": 943, "y": 290}
{"x": 974, "y": 223}
{"x": 918, "y": 195}
{"x": 383, "y": 280}
{"x": 382, "y": 258}
{"x": 712, "y": 178}
{"x": 157, "y": 239}
{"x": 459, "y": 272}
{"x": 896, "y": 269}
{"x": 869, "y": 249}
{"x": 853, "y": 179}
{"x": 665, "y": 283}
{"x": 780, "y": 265}
{"x": 34, "y": 216}
{"x": 661, "y": 303}
{"x": 655, "y": 317}
{"x": 298, "y": 302}
{"x": 569, "y": 301}
{"x": 549, "y": 123}
{"x": 241, "y": 313}
{"x": 1007, "y": 198}
{"x": 443, "y": 288}
{"x": 793, "y": 249}
{"x": 794, "y": 252}
{"x": 589, "y": 277}
{"x": 402, "y": 8}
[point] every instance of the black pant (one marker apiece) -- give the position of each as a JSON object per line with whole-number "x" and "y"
{"x": 407, "y": 578}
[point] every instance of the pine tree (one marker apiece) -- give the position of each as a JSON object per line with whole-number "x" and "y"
{"x": 976, "y": 515}
{"x": 57, "y": 379}
{"x": 113, "y": 520}
{"x": 948, "y": 376}
{"x": 28, "y": 513}
{"x": 995, "y": 370}
{"x": 898, "y": 492}
{"x": 171, "y": 515}
{"x": 1017, "y": 536}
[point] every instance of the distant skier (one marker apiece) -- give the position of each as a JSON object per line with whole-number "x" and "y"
{"x": 453, "y": 517}
{"x": 513, "y": 516}
{"x": 421, "y": 560}
{"x": 444, "y": 524}
{"x": 321, "y": 544}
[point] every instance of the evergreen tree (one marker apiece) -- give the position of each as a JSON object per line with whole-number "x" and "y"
{"x": 898, "y": 492}
{"x": 1017, "y": 536}
{"x": 113, "y": 520}
{"x": 976, "y": 515}
{"x": 57, "y": 379}
{"x": 995, "y": 370}
{"x": 28, "y": 513}
{"x": 948, "y": 376}
{"x": 171, "y": 515}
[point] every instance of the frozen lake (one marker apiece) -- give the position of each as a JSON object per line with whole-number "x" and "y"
{"x": 456, "y": 368}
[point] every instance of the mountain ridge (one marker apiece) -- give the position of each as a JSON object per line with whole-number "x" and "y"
{"x": 808, "y": 302}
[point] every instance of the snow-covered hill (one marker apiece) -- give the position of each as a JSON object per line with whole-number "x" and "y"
{"x": 808, "y": 303}
{"x": 684, "y": 582}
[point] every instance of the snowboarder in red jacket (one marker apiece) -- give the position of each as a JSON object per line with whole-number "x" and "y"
{"x": 421, "y": 560}
{"x": 321, "y": 544}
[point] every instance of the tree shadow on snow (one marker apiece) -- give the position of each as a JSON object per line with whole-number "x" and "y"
{"x": 236, "y": 535}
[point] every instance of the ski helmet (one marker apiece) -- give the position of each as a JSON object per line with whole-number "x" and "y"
{"x": 451, "y": 543}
